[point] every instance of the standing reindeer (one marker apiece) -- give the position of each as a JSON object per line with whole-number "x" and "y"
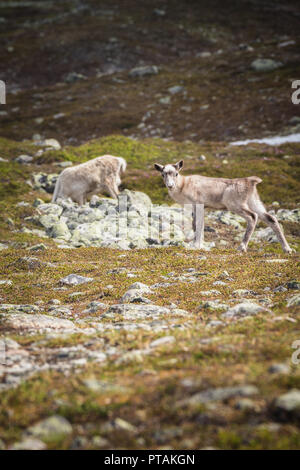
{"x": 237, "y": 195}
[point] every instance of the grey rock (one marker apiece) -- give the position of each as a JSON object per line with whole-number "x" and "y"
{"x": 279, "y": 369}
{"x": 293, "y": 285}
{"x": 134, "y": 295}
{"x": 241, "y": 292}
{"x": 208, "y": 293}
{"x": 75, "y": 279}
{"x": 74, "y": 77}
{"x": 51, "y": 143}
{"x": 245, "y": 404}
{"x": 287, "y": 406}
{"x": 27, "y": 308}
{"x": 98, "y": 441}
{"x": 59, "y": 230}
{"x": 23, "y": 159}
{"x": 135, "y": 312}
{"x": 65, "y": 164}
{"x": 44, "y": 181}
{"x": 219, "y": 394}
{"x": 37, "y": 322}
{"x": 175, "y": 89}
{"x": 265, "y": 65}
{"x": 214, "y": 323}
{"x": 294, "y": 301}
{"x": 38, "y": 247}
{"x": 213, "y": 305}
{"x": 162, "y": 341}
{"x": 144, "y": 71}
{"x": 140, "y": 286}
{"x": 49, "y": 429}
{"x": 243, "y": 309}
{"x": 5, "y": 282}
{"x": 28, "y": 444}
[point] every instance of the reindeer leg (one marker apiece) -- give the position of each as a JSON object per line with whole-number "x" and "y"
{"x": 251, "y": 218}
{"x": 273, "y": 223}
{"x": 198, "y": 225}
{"x": 113, "y": 190}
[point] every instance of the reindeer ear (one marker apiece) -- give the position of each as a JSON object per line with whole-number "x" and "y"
{"x": 179, "y": 165}
{"x": 158, "y": 167}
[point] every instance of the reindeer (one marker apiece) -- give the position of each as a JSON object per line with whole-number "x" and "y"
{"x": 95, "y": 176}
{"x": 237, "y": 195}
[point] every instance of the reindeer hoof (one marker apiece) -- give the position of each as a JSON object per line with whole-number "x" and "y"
{"x": 289, "y": 250}
{"x": 242, "y": 248}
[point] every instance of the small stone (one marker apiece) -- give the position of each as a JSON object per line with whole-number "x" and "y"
{"x": 241, "y": 292}
{"x": 203, "y": 54}
{"x": 37, "y": 322}
{"x": 294, "y": 301}
{"x": 293, "y": 285}
{"x": 75, "y": 279}
{"x": 55, "y": 427}
{"x": 55, "y": 302}
{"x": 74, "y": 77}
{"x": 287, "y": 406}
{"x": 162, "y": 341}
{"x": 52, "y": 143}
{"x": 64, "y": 164}
{"x": 98, "y": 441}
{"x": 265, "y": 65}
{"x": 214, "y": 324}
{"x": 243, "y": 309}
{"x": 159, "y": 12}
{"x": 5, "y": 282}
{"x": 144, "y": 71}
{"x": 165, "y": 100}
{"x": 28, "y": 444}
{"x": 23, "y": 159}
{"x": 279, "y": 369}
{"x": 219, "y": 283}
{"x": 175, "y": 89}
{"x": 214, "y": 305}
{"x": 38, "y": 247}
{"x": 245, "y": 404}
{"x": 219, "y": 394}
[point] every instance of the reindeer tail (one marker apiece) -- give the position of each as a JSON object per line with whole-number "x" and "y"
{"x": 255, "y": 179}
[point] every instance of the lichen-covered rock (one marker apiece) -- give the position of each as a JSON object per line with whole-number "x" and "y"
{"x": 287, "y": 406}
{"x": 294, "y": 301}
{"x": 289, "y": 215}
{"x": 265, "y": 65}
{"x": 49, "y": 429}
{"x": 144, "y": 71}
{"x": 243, "y": 309}
{"x": 218, "y": 394}
{"x": 37, "y": 322}
{"x": 129, "y": 222}
{"x": 60, "y": 230}
{"x": 45, "y": 181}
{"x": 75, "y": 279}
{"x": 227, "y": 218}
{"x": 213, "y": 305}
{"x": 28, "y": 444}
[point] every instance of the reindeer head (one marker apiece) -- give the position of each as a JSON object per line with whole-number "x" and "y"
{"x": 170, "y": 173}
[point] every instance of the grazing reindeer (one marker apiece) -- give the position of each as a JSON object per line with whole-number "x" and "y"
{"x": 95, "y": 176}
{"x": 237, "y": 195}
